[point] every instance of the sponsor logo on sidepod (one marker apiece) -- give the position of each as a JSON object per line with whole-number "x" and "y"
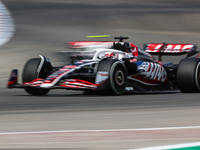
{"x": 130, "y": 88}
{"x": 152, "y": 71}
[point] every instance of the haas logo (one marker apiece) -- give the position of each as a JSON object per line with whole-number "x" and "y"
{"x": 152, "y": 71}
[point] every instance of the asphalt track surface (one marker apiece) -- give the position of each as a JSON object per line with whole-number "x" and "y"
{"x": 42, "y": 27}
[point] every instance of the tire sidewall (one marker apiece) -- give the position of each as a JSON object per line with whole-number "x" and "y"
{"x": 187, "y": 75}
{"x": 197, "y": 73}
{"x": 30, "y": 73}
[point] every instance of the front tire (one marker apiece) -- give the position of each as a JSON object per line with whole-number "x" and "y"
{"x": 30, "y": 73}
{"x": 188, "y": 75}
{"x": 118, "y": 78}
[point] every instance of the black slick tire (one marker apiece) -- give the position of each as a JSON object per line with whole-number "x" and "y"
{"x": 30, "y": 73}
{"x": 188, "y": 75}
{"x": 117, "y": 77}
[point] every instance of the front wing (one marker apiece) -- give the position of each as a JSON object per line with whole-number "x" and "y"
{"x": 74, "y": 84}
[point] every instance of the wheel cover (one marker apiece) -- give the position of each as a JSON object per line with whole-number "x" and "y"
{"x": 119, "y": 78}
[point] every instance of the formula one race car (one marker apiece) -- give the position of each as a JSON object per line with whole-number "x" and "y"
{"x": 123, "y": 67}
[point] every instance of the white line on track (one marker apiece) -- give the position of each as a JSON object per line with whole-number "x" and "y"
{"x": 115, "y": 141}
{"x": 108, "y": 130}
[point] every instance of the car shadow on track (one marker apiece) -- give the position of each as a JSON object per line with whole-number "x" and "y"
{"x": 97, "y": 94}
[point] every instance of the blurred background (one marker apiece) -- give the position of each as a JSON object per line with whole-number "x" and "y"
{"x": 44, "y": 26}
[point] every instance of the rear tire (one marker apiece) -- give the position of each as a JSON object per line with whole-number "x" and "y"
{"x": 30, "y": 73}
{"x": 188, "y": 75}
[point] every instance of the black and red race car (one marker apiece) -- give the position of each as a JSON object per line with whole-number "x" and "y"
{"x": 120, "y": 68}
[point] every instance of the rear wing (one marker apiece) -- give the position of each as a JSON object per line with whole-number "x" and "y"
{"x": 169, "y": 49}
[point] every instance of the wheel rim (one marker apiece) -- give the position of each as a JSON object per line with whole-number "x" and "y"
{"x": 119, "y": 77}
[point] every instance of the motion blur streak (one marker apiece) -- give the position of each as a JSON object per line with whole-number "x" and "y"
{"x": 6, "y": 24}
{"x": 90, "y": 131}
{"x": 43, "y": 26}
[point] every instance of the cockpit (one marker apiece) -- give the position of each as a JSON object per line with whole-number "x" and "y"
{"x": 122, "y": 46}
